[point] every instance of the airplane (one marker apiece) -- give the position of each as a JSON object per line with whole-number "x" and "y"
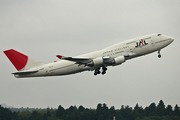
{"x": 97, "y": 61}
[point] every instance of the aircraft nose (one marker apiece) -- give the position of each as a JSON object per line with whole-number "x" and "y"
{"x": 172, "y": 39}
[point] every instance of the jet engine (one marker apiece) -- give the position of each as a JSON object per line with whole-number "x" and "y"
{"x": 96, "y": 62}
{"x": 118, "y": 60}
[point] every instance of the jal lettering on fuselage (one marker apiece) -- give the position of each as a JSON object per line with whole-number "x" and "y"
{"x": 141, "y": 43}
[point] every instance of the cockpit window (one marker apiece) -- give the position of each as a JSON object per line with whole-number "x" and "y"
{"x": 159, "y": 34}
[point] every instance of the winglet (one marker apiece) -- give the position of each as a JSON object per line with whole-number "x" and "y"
{"x": 59, "y": 56}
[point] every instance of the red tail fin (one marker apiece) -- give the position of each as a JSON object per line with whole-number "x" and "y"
{"x": 18, "y": 59}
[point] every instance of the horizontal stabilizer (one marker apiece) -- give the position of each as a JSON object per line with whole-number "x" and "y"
{"x": 24, "y": 72}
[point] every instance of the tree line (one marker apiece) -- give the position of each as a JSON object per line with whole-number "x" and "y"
{"x": 102, "y": 112}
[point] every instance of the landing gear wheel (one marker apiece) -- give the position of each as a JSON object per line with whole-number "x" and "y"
{"x": 103, "y": 73}
{"x": 159, "y": 56}
{"x": 97, "y": 71}
{"x": 104, "y": 70}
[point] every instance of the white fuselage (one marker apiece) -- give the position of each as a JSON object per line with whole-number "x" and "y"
{"x": 130, "y": 49}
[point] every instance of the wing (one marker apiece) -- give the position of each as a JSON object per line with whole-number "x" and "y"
{"x": 99, "y": 61}
{"x": 80, "y": 60}
{"x": 86, "y": 60}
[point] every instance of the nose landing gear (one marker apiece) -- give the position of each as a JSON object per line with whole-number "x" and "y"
{"x": 159, "y": 56}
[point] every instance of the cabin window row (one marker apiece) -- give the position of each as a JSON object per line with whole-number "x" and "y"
{"x": 116, "y": 50}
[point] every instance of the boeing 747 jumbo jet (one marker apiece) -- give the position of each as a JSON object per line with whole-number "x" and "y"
{"x": 97, "y": 61}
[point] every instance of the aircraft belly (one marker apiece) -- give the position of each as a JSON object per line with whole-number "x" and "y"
{"x": 71, "y": 69}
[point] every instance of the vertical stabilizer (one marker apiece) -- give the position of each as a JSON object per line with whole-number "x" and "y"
{"x": 21, "y": 61}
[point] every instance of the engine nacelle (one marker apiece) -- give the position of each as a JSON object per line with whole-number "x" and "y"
{"x": 118, "y": 60}
{"x": 96, "y": 61}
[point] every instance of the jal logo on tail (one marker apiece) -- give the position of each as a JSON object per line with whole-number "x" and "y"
{"x": 141, "y": 43}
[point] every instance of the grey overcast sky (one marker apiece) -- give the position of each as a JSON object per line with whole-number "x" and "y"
{"x": 43, "y": 28}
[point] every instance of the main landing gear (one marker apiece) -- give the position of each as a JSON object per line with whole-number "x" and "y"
{"x": 97, "y": 71}
{"x": 159, "y": 55}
